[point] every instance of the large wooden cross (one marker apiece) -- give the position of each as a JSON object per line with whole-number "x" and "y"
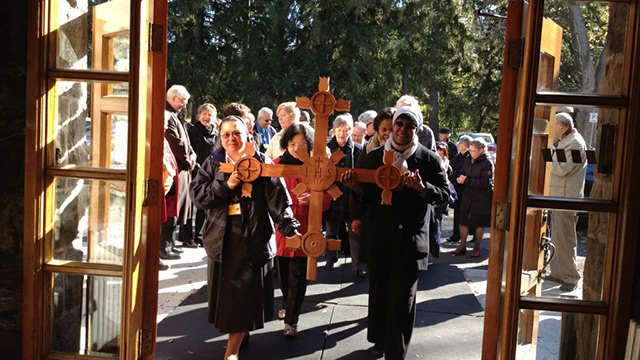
{"x": 318, "y": 173}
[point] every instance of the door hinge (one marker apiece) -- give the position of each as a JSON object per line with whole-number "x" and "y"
{"x": 503, "y": 211}
{"x": 151, "y": 189}
{"x": 156, "y": 37}
{"x": 145, "y": 342}
{"x": 516, "y": 50}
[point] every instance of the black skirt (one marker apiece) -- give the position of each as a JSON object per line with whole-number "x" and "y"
{"x": 240, "y": 292}
{"x": 475, "y": 220}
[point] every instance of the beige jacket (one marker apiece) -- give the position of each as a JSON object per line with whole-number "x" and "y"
{"x": 567, "y": 178}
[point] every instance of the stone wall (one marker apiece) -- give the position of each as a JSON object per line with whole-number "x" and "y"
{"x": 12, "y": 122}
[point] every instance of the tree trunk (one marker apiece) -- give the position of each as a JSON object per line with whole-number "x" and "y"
{"x": 434, "y": 115}
{"x": 599, "y": 232}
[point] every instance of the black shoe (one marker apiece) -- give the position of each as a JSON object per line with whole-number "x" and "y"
{"x": 190, "y": 244}
{"x": 163, "y": 266}
{"x": 376, "y": 351}
{"x": 169, "y": 256}
{"x": 551, "y": 278}
{"x": 328, "y": 266}
{"x": 568, "y": 287}
{"x": 362, "y": 273}
{"x": 176, "y": 250}
{"x": 453, "y": 240}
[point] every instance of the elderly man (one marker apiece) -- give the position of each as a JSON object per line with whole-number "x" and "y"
{"x": 567, "y": 180}
{"x": 178, "y": 139}
{"x": 263, "y": 132}
{"x": 444, "y": 135}
{"x": 359, "y": 131}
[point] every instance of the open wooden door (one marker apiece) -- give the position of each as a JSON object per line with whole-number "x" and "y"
{"x": 92, "y": 198}
{"x": 592, "y": 321}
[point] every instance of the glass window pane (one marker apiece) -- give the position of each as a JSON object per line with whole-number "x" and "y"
{"x": 93, "y": 35}
{"x": 89, "y": 220}
{"x": 578, "y": 39}
{"x": 86, "y": 315}
{"x": 581, "y": 164}
{"x": 91, "y": 129}
{"x": 573, "y": 262}
{"x": 553, "y": 335}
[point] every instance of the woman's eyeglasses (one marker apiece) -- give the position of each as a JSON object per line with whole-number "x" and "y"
{"x": 235, "y": 134}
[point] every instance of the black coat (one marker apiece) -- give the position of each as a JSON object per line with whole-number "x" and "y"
{"x": 202, "y": 140}
{"x": 269, "y": 199}
{"x": 178, "y": 139}
{"x": 393, "y": 235}
{"x": 340, "y": 208}
{"x": 478, "y": 192}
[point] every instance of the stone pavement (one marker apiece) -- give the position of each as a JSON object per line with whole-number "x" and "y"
{"x": 333, "y": 322}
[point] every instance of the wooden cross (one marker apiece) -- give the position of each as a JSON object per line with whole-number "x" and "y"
{"x": 318, "y": 173}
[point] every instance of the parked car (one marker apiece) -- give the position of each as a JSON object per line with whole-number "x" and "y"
{"x": 488, "y": 138}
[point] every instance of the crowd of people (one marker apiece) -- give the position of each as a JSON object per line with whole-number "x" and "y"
{"x": 388, "y": 244}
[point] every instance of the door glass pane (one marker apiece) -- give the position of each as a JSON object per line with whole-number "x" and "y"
{"x": 86, "y": 315}
{"x": 92, "y": 129}
{"x": 89, "y": 220}
{"x": 90, "y": 35}
{"x": 574, "y": 261}
{"x": 553, "y": 335}
{"x": 578, "y": 39}
{"x": 581, "y": 164}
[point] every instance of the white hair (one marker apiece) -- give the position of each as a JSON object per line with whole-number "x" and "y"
{"x": 265, "y": 110}
{"x": 361, "y": 125}
{"x": 343, "y": 119}
{"x": 367, "y": 116}
{"x": 565, "y": 119}
{"x": 407, "y": 100}
{"x": 179, "y": 91}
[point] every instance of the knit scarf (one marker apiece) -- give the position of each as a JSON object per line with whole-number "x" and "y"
{"x": 402, "y": 152}
{"x": 374, "y": 142}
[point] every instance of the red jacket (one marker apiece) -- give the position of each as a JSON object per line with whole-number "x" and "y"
{"x": 301, "y": 213}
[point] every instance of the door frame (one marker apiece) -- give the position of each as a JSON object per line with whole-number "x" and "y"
{"x": 146, "y": 131}
{"x": 518, "y": 100}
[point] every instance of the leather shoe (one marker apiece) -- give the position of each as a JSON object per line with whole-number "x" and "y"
{"x": 376, "y": 351}
{"x": 169, "y": 256}
{"x": 328, "y": 266}
{"x": 190, "y": 244}
{"x": 176, "y": 250}
{"x": 163, "y": 266}
{"x": 551, "y": 278}
{"x": 459, "y": 251}
{"x": 568, "y": 287}
{"x": 453, "y": 240}
{"x": 362, "y": 273}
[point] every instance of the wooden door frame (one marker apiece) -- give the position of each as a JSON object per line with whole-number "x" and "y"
{"x": 519, "y": 87}
{"x": 142, "y": 268}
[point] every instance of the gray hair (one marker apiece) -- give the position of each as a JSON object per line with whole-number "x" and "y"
{"x": 207, "y": 106}
{"x": 361, "y": 125}
{"x": 265, "y": 110}
{"x": 465, "y": 140}
{"x": 407, "y": 100}
{"x": 343, "y": 119}
{"x": 179, "y": 91}
{"x": 565, "y": 119}
{"x": 479, "y": 144}
{"x": 367, "y": 116}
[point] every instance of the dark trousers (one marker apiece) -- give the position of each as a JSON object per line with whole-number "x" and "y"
{"x": 293, "y": 283}
{"x": 201, "y": 216}
{"x": 186, "y": 232}
{"x": 456, "y": 222}
{"x": 166, "y": 239}
{"x": 392, "y": 308}
{"x": 337, "y": 230}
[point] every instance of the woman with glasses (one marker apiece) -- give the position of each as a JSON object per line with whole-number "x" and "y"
{"x": 398, "y": 234}
{"x": 237, "y": 237}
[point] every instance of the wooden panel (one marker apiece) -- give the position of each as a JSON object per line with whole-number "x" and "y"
{"x": 547, "y": 202}
{"x": 83, "y": 268}
{"x": 105, "y": 76}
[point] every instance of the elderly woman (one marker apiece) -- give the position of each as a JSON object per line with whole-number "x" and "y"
{"x": 338, "y": 217}
{"x": 292, "y": 264}
{"x": 288, "y": 114}
{"x": 475, "y": 207}
{"x": 237, "y": 237}
{"x": 456, "y": 164}
{"x": 397, "y": 245}
{"x": 203, "y": 136}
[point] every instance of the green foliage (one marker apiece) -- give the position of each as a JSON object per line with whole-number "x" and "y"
{"x": 263, "y": 53}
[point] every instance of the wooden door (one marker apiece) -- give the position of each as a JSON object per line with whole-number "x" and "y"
{"x": 92, "y": 201}
{"x": 592, "y": 321}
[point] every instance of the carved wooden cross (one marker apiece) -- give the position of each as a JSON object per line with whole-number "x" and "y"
{"x": 318, "y": 173}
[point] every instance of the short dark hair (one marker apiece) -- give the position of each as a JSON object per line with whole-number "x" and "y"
{"x": 237, "y": 109}
{"x": 444, "y": 147}
{"x": 384, "y": 114}
{"x": 295, "y": 129}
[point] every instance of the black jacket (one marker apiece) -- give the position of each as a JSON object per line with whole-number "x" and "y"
{"x": 340, "y": 208}
{"x": 478, "y": 192}
{"x": 202, "y": 140}
{"x": 393, "y": 235}
{"x": 269, "y": 199}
